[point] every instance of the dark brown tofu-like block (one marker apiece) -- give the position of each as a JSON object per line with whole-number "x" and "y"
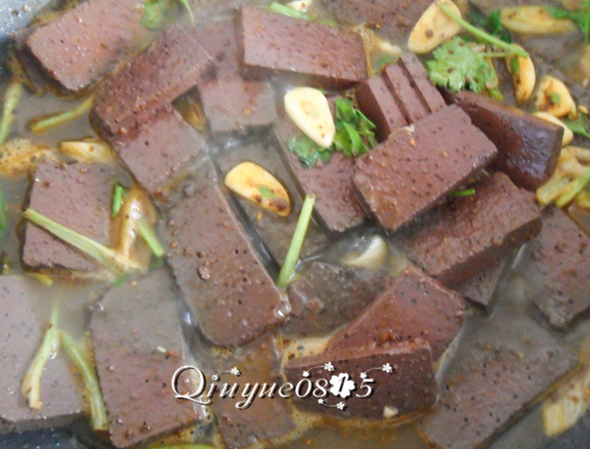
{"x": 237, "y": 105}
{"x": 377, "y": 103}
{"x": 411, "y": 306}
{"x": 418, "y": 77}
{"x": 160, "y": 151}
{"x": 336, "y": 205}
{"x": 327, "y": 295}
{"x": 311, "y": 53}
{"x": 560, "y": 256}
{"x": 231, "y": 103}
{"x": 77, "y": 196}
{"x": 393, "y": 19}
{"x": 480, "y": 288}
{"x": 528, "y": 147}
{"x": 456, "y": 241}
{"x": 21, "y": 333}
{"x": 138, "y": 345}
{"x": 265, "y": 417}
{"x": 223, "y": 281}
{"x": 171, "y": 65}
{"x": 408, "y": 173}
{"x": 407, "y": 96}
{"x": 77, "y": 49}
{"x": 409, "y": 386}
{"x": 488, "y": 389}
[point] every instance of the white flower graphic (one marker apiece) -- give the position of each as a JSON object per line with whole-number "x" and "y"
{"x": 214, "y": 377}
{"x": 321, "y": 401}
{"x": 342, "y": 385}
{"x": 363, "y": 375}
{"x": 387, "y": 368}
{"x": 329, "y": 367}
{"x": 341, "y": 406}
{"x": 305, "y": 374}
{"x": 235, "y": 371}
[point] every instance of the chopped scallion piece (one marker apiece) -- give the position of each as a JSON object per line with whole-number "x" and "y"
{"x": 513, "y": 49}
{"x": 31, "y": 386}
{"x": 11, "y": 97}
{"x": 150, "y": 237}
{"x": 43, "y": 124}
{"x": 466, "y": 192}
{"x": 297, "y": 242}
{"x": 154, "y": 14}
{"x": 43, "y": 278}
{"x": 569, "y": 192}
{"x": 98, "y": 412}
{"x": 2, "y": 212}
{"x": 279, "y": 8}
{"x": 118, "y": 199}
{"x": 188, "y": 8}
{"x": 97, "y": 251}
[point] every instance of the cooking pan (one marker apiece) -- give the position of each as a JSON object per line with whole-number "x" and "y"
{"x": 15, "y": 14}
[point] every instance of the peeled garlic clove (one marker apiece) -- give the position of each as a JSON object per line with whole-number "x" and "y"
{"x": 373, "y": 257}
{"x": 254, "y": 183}
{"x": 554, "y": 98}
{"x": 433, "y": 28}
{"x": 568, "y": 135}
{"x": 299, "y": 5}
{"x": 524, "y": 76}
{"x": 87, "y": 151}
{"x": 310, "y": 111}
{"x": 532, "y": 19}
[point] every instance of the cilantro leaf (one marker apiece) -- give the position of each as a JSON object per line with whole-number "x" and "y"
{"x": 354, "y": 131}
{"x": 354, "y": 136}
{"x": 457, "y": 66}
{"x": 580, "y": 16}
{"x": 308, "y": 151}
{"x": 579, "y": 126}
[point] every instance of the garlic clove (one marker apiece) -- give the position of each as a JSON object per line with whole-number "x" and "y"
{"x": 553, "y": 97}
{"x": 433, "y": 28}
{"x": 568, "y": 135}
{"x": 257, "y": 185}
{"x": 524, "y": 76}
{"x": 534, "y": 19}
{"x": 299, "y": 5}
{"x": 309, "y": 109}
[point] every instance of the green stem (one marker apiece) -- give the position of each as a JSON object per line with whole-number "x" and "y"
{"x": 513, "y": 49}
{"x": 496, "y": 54}
{"x": 297, "y": 241}
{"x": 98, "y": 412}
{"x": 466, "y": 192}
{"x": 31, "y": 386}
{"x": 190, "y": 11}
{"x": 573, "y": 188}
{"x": 43, "y": 278}
{"x": 150, "y": 237}
{"x": 117, "y": 199}
{"x": 11, "y": 97}
{"x": 97, "y": 251}
{"x": 43, "y": 124}
{"x": 279, "y": 8}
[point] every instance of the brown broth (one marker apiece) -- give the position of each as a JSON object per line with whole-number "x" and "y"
{"x": 515, "y": 299}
